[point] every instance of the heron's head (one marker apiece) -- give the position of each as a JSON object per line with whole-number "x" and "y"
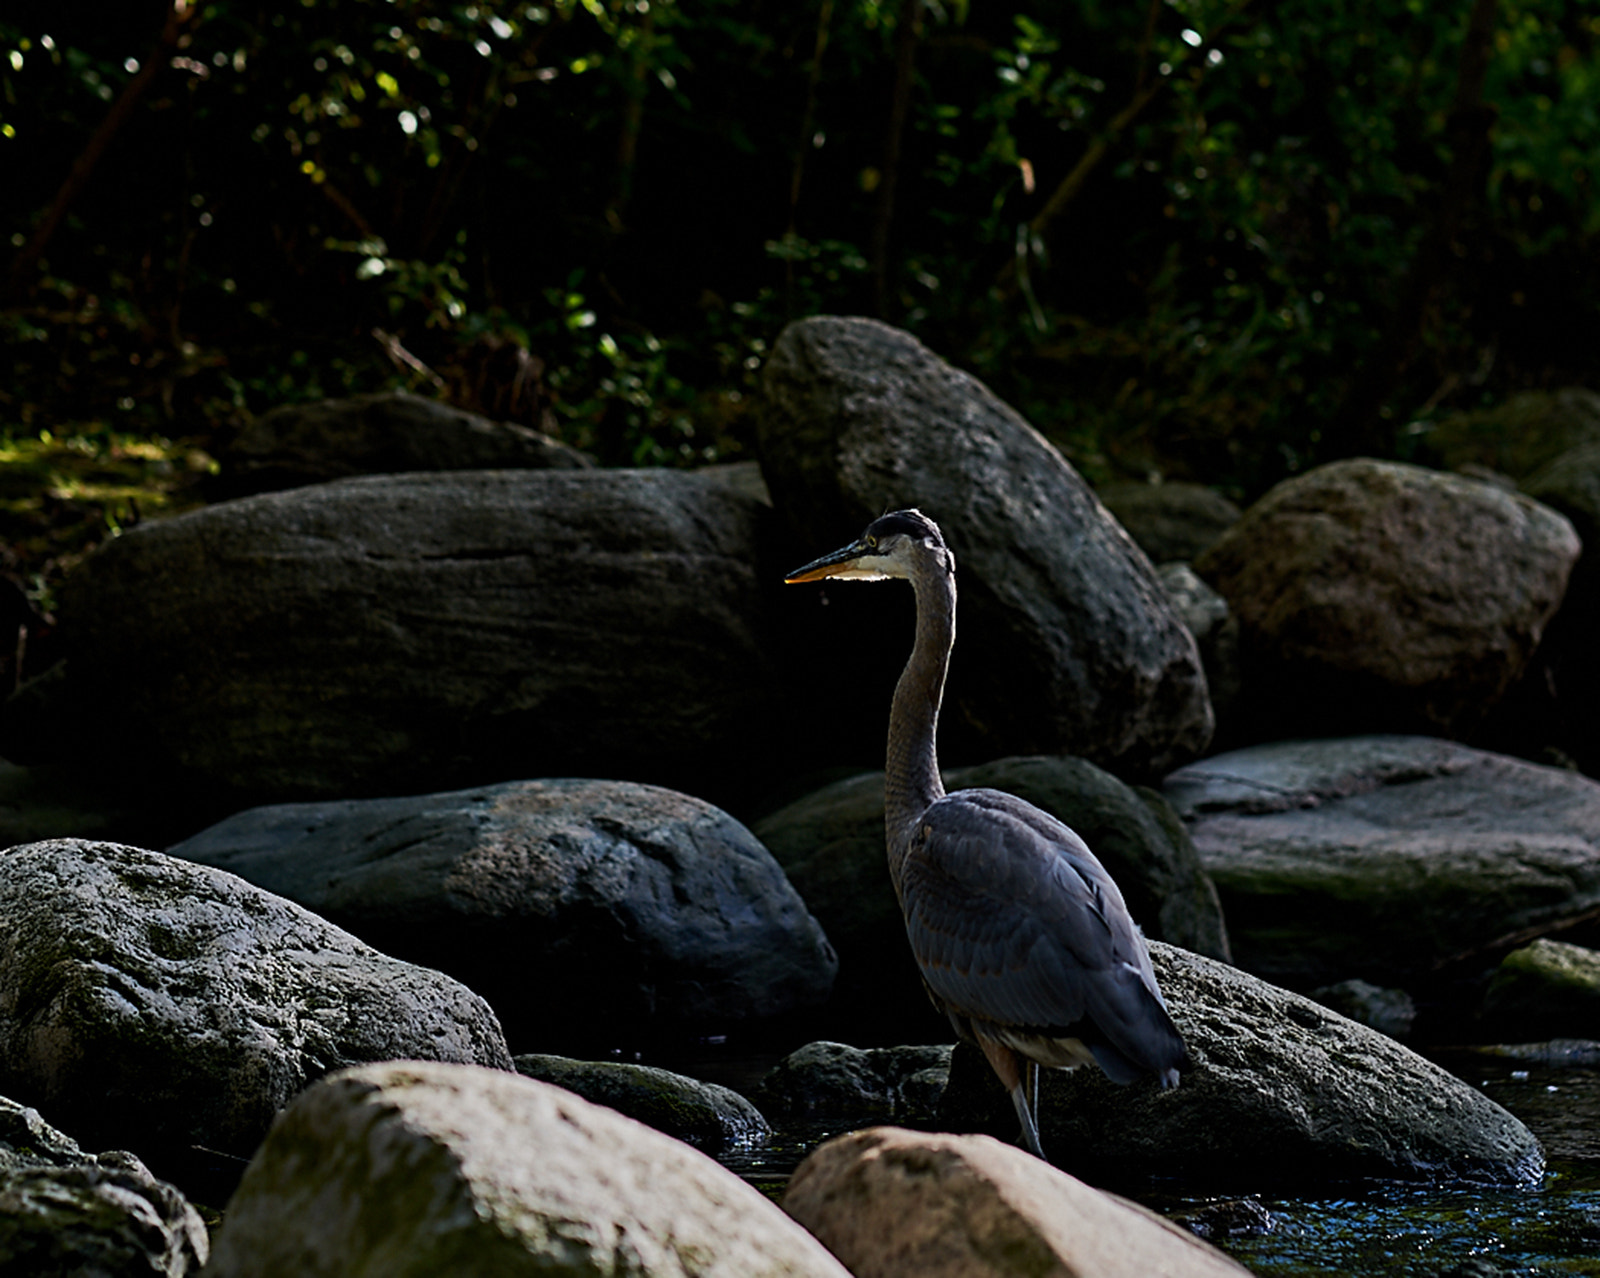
{"x": 904, "y": 543}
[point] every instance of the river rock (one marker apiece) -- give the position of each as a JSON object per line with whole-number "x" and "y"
{"x": 1390, "y": 1012}
{"x": 106, "y": 1217}
{"x": 1520, "y": 436}
{"x": 584, "y": 911}
{"x": 831, "y": 845}
{"x": 1067, "y": 642}
{"x": 1545, "y": 990}
{"x": 155, "y": 1004}
{"x": 1216, "y": 633}
{"x": 1280, "y": 1091}
{"x": 705, "y": 1115}
{"x": 1374, "y": 596}
{"x": 296, "y": 444}
{"x": 1385, "y": 857}
{"x": 826, "y": 1080}
{"x": 406, "y": 633}
{"x": 1170, "y": 521}
{"x": 410, "y": 1170}
{"x": 897, "y": 1204}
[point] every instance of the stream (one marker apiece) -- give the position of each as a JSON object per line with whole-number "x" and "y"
{"x": 1388, "y": 1227}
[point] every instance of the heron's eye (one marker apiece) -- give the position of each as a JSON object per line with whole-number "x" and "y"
{"x": 872, "y": 542}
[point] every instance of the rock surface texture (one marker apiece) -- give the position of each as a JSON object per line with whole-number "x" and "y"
{"x": 831, "y": 845}
{"x": 897, "y": 1204}
{"x": 1170, "y": 522}
{"x": 704, "y": 1115}
{"x": 825, "y": 1080}
{"x": 1376, "y": 596}
{"x": 403, "y": 633}
{"x": 150, "y": 1003}
{"x": 1381, "y": 857}
{"x": 575, "y": 907}
{"x": 1280, "y": 1092}
{"x": 1067, "y": 643}
{"x": 410, "y": 1170}
{"x": 382, "y": 434}
{"x": 1547, "y": 990}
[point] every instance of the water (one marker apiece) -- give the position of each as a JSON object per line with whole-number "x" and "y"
{"x": 1390, "y": 1228}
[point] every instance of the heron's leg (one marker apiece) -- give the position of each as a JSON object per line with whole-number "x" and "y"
{"x": 1012, "y": 1073}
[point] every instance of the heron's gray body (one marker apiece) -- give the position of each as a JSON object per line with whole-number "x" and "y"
{"x": 1023, "y": 939}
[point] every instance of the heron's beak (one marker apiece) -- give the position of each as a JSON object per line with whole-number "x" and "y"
{"x": 838, "y": 564}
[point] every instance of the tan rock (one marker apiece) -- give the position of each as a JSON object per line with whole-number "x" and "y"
{"x": 413, "y": 1169}
{"x": 892, "y": 1202}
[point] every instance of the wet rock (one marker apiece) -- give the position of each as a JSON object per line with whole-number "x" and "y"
{"x": 579, "y": 909}
{"x": 1170, "y": 521}
{"x": 1373, "y": 596}
{"x": 705, "y": 1115}
{"x": 825, "y": 1080}
{"x": 1232, "y": 1218}
{"x": 410, "y": 633}
{"x": 153, "y": 1004}
{"x": 890, "y": 1202}
{"x": 1380, "y": 857}
{"x": 381, "y": 434}
{"x": 1545, "y": 990}
{"x": 1389, "y": 1012}
{"x": 831, "y": 846}
{"x": 101, "y": 1218}
{"x": 1067, "y": 642}
{"x": 409, "y": 1170}
{"x": 1280, "y": 1092}
{"x": 26, "y": 1140}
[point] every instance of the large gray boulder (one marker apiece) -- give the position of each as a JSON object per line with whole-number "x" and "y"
{"x": 153, "y": 1004}
{"x": 296, "y": 444}
{"x": 892, "y": 1204}
{"x": 582, "y": 910}
{"x": 1067, "y": 642}
{"x": 411, "y": 1170}
{"x": 1279, "y": 1092}
{"x": 1381, "y": 857}
{"x": 831, "y": 845}
{"x": 1374, "y": 596}
{"x": 407, "y": 633}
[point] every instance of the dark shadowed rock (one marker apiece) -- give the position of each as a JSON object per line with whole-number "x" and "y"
{"x": 1067, "y": 643}
{"x": 584, "y": 911}
{"x": 1280, "y": 1091}
{"x": 831, "y": 845}
{"x": 413, "y": 1170}
{"x": 406, "y": 633}
{"x": 705, "y": 1115}
{"x": 1172, "y": 521}
{"x": 836, "y": 1081}
{"x": 1545, "y": 990}
{"x": 378, "y": 435}
{"x": 1216, "y": 634}
{"x": 1381, "y": 857}
{"x": 1518, "y": 437}
{"x": 1373, "y": 596}
{"x": 151, "y": 1003}
{"x": 1389, "y": 1012}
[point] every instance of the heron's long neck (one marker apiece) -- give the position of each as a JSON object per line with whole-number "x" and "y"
{"x": 911, "y": 782}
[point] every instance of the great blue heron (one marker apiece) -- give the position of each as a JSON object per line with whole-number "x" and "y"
{"x": 1022, "y": 937}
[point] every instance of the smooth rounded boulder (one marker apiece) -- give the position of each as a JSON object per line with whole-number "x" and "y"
{"x": 152, "y": 1004}
{"x": 898, "y": 1204}
{"x": 586, "y": 912}
{"x": 1381, "y": 857}
{"x": 409, "y": 633}
{"x": 411, "y": 1170}
{"x": 831, "y": 845}
{"x": 1279, "y": 1092}
{"x": 1067, "y": 643}
{"x": 1376, "y": 596}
